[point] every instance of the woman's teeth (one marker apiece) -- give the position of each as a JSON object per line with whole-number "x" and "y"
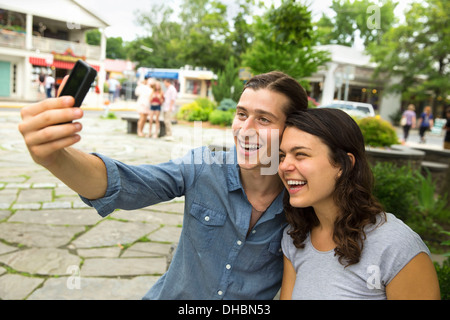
{"x": 295, "y": 183}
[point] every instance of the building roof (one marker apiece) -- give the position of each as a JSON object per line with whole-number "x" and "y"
{"x": 347, "y": 55}
{"x": 69, "y": 11}
{"x": 118, "y": 65}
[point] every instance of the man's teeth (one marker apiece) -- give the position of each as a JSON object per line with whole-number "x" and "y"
{"x": 250, "y": 146}
{"x": 296, "y": 183}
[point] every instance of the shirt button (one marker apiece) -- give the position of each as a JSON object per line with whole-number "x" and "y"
{"x": 220, "y": 292}
{"x": 228, "y": 266}
{"x": 239, "y": 242}
{"x": 207, "y": 218}
{"x": 254, "y": 231}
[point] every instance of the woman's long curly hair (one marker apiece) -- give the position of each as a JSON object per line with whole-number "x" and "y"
{"x": 358, "y": 208}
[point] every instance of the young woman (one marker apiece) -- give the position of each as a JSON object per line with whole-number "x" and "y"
{"x": 156, "y": 100}
{"x": 339, "y": 243}
{"x": 426, "y": 122}
{"x": 143, "y": 92}
{"x": 409, "y": 118}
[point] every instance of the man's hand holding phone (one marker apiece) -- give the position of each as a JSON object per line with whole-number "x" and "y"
{"x": 49, "y": 132}
{"x": 47, "y": 126}
{"x": 41, "y": 129}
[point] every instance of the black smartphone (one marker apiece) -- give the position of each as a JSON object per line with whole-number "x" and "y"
{"x": 79, "y": 82}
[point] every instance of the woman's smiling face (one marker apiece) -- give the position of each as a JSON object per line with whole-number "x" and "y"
{"x": 306, "y": 170}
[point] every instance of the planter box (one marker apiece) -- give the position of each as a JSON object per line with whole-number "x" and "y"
{"x": 397, "y": 154}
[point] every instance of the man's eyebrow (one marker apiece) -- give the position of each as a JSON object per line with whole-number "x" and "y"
{"x": 259, "y": 112}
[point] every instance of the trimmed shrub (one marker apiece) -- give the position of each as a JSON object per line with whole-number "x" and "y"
{"x": 377, "y": 132}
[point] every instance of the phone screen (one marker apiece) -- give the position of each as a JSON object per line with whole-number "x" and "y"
{"x": 75, "y": 80}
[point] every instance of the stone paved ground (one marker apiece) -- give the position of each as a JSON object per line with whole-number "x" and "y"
{"x": 52, "y": 246}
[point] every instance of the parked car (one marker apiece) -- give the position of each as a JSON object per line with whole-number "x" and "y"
{"x": 353, "y": 108}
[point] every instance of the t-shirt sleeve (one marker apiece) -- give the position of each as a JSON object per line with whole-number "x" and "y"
{"x": 287, "y": 244}
{"x": 400, "y": 244}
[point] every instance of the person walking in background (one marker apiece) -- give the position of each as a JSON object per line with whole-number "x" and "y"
{"x": 113, "y": 86}
{"x": 446, "y": 129}
{"x": 339, "y": 243}
{"x": 425, "y": 123}
{"x": 143, "y": 92}
{"x": 156, "y": 100}
{"x": 49, "y": 84}
{"x": 41, "y": 84}
{"x": 408, "y": 121}
{"x": 169, "y": 106}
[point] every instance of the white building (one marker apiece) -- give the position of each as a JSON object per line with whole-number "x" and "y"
{"x": 191, "y": 83}
{"x": 348, "y": 76}
{"x": 44, "y": 36}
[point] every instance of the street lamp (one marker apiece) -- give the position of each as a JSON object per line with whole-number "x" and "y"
{"x": 146, "y": 48}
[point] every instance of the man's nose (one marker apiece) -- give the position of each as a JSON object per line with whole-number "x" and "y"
{"x": 248, "y": 127}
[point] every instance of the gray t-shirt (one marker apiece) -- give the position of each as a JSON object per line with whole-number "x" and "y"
{"x": 389, "y": 246}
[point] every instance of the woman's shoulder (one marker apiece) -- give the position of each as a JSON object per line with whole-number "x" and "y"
{"x": 391, "y": 233}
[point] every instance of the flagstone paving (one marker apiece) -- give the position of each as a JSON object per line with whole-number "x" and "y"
{"x": 53, "y": 246}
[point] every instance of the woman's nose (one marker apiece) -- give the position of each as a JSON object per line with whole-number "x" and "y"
{"x": 286, "y": 165}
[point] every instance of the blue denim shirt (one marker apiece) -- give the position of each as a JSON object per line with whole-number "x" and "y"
{"x": 215, "y": 259}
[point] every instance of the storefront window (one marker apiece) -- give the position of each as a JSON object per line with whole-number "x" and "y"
{"x": 193, "y": 86}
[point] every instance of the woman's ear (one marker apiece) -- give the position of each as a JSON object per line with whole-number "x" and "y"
{"x": 352, "y": 158}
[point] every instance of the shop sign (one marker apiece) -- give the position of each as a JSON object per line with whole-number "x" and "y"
{"x": 67, "y": 56}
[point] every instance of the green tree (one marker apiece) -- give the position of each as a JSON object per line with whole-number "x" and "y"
{"x": 163, "y": 41}
{"x": 283, "y": 41}
{"x": 115, "y": 47}
{"x": 93, "y": 37}
{"x": 418, "y": 52}
{"x": 364, "y": 18}
{"x": 242, "y": 35}
{"x": 206, "y": 43}
{"x": 228, "y": 85}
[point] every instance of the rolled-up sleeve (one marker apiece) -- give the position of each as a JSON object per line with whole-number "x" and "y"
{"x": 133, "y": 187}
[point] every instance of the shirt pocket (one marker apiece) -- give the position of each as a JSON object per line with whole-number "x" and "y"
{"x": 205, "y": 226}
{"x": 264, "y": 256}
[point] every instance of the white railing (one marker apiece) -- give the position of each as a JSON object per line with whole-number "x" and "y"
{"x": 60, "y": 46}
{"x": 48, "y": 45}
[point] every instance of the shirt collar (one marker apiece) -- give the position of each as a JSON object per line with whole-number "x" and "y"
{"x": 234, "y": 180}
{"x": 233, "y": 177}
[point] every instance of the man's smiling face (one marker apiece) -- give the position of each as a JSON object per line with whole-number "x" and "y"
{"x": 259, "y": 122}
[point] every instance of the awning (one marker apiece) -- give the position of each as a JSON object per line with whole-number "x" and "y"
{"x": 57, "y": 64}
{"x": 162, "y": 75}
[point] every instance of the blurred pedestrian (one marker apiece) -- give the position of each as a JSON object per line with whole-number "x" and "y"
{"x": 143, "y": 92}
{"x": 446, "y": 128}
{"x": 41, "y": 83}
{"x": 156, "y": 100}
{"x": 169, "y": 106}
{"x": 425, "y": 123}
{"x": 49, "y": 84}
{"x": 408, "y": 121}
{"x": 113, "y": 86}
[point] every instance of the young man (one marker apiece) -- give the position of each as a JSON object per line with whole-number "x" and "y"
{"x": 230, "y": 242}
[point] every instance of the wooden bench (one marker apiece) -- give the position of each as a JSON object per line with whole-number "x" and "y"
{"x": 132, "y": 121}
